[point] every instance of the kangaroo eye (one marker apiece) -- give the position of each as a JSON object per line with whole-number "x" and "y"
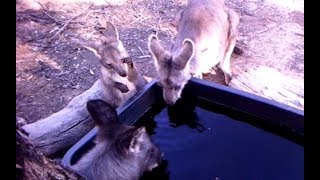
{"x": 108, "y": 65}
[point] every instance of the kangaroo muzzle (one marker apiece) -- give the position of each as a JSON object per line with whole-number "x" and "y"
{"x": 171, "y": 96}
{"x": 121, "y": 70}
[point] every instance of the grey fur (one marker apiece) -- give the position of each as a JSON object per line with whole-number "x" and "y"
{"x": 206, "y": 36}
{"x": 116, "y": 68}
{"x": 122, "y": 152}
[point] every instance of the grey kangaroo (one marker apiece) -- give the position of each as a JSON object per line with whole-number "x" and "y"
{"x": 120, "y": 77}
{"x": 122, "y": 152}
{"x": 206, "y": 36}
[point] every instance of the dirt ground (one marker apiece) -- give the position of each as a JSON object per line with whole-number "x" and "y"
{"x": 51, "y": 68}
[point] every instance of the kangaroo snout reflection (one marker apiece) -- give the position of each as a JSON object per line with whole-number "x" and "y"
{"x": 183, "y": 112}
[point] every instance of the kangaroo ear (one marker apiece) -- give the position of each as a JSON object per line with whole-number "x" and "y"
{"x": 111, "y": 33}
{"x": 185, "y": 55}
{"x": 137, "y": 139}
{"x": 102, "y": 113}
{"x": 160, "y": 55}
{"x": 95, "y": 47}
{"x": 177, "y": 20}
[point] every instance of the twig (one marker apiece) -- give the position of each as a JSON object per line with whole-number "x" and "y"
{"x": 137, "y": 19}
{"x": 262, "y": 31}
{"x": 89, "y": 13}
{"x": 150, "y": 28}
{"x": 67, "y": 22}
{"x": 105, "y": 12}
{"x": 145, "y": 56}
{"x": 134, "y": 8}
{"x": 155, "y": 28}
{"x": 139, "y": 48}
{"x": 109, "y": 16}
{"x": 158, "y": 24}
{"x": 44, "y": 11}
{"x": 298, "y": 34}
{"x": 254, "y": 13}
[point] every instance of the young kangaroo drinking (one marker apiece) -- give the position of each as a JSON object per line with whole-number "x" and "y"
{"x": 206, "y": 35}
{"x": 121, "y": 152}
{"x": 120, "y": 77}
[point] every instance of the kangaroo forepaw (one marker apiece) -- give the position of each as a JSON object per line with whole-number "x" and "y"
{"x": 128, "y": 60}
{"x": 238, "y": 51}
{"x": 227, "y": 78}
{"x": 122, "y": 87}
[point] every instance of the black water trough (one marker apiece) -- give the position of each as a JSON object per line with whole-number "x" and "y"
{"x": 214, "y": 132}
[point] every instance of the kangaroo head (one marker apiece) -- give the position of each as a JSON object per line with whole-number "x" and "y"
{"x": 128, "y": 142}
{"x": 172, "y": 67}
{"x": 110, "y": 50}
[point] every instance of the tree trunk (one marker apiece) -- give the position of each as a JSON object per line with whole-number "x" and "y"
{"x": 31, "y": 164}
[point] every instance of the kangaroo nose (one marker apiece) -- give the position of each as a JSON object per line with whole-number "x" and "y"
{"x": 121, "y": 70}
{"x": 123, "y": 74}
{"x": 169, "y": 103}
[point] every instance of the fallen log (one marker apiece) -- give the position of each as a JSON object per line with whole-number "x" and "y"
{"x": 64, "y": 128}
{"x": 271, "y": 84}
{"x": 61, "y": 130}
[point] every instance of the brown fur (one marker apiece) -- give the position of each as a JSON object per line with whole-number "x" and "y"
{"x": 120, "y": 77}
{"x": 121, "y": 152}
{"x": 206, "y": 36}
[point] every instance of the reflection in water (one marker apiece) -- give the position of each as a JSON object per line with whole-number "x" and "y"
{"x": 229, "y": 146}
{"x": 160, "y": 172}
{"x": 183, "y": 112}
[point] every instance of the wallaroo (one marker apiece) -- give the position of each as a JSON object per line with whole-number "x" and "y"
{"x": 121, "y": 151}
{"x": 206, "y": 35}
{"x": 120, "y": 77}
